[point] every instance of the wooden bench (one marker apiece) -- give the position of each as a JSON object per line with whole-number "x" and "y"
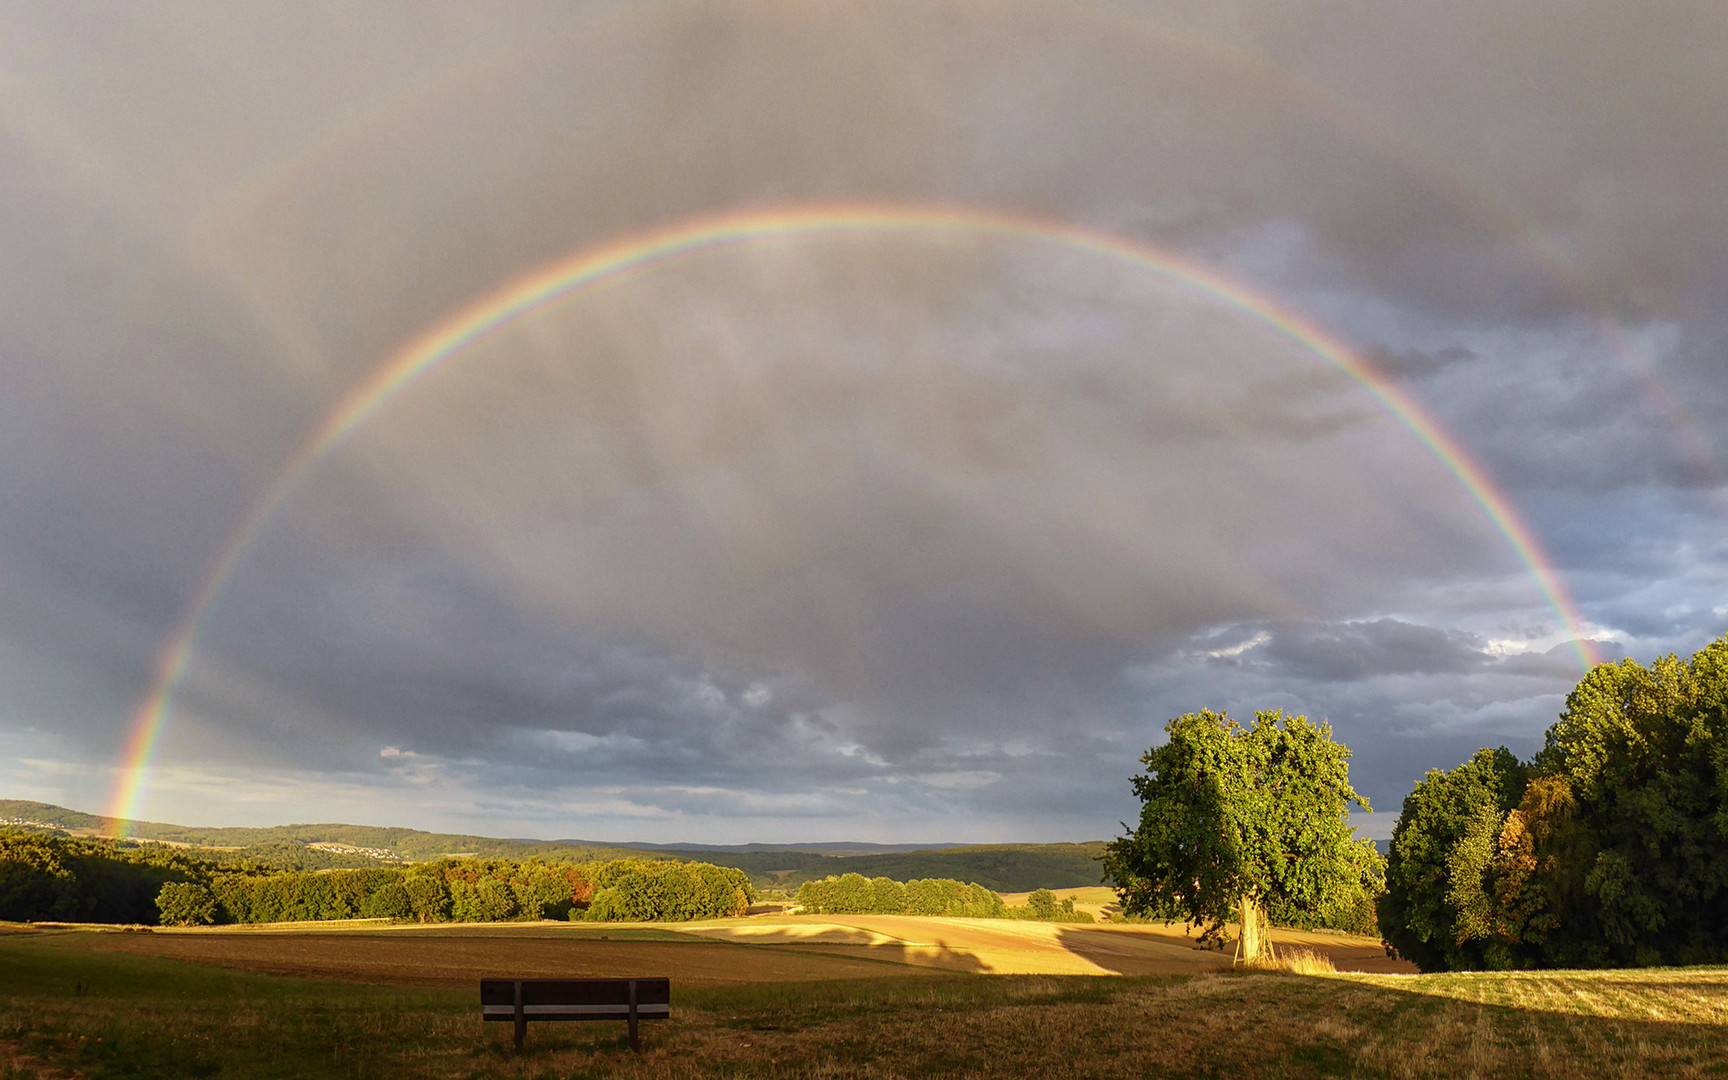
{"x": 522, "y": 1000}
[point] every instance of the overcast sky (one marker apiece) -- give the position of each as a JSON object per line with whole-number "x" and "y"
{"x": 903, "y": 534}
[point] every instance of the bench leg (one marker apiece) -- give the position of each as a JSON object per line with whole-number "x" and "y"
{"x": 635, "y": 1043}
{"x": 521, "y": 1018}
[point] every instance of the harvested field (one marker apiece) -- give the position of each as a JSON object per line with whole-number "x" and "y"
{"x": 778, "y": 948}
{"x": 1004, "y": 946}
{"x": 435, "y": 959}
{"x": 994, "y": 946}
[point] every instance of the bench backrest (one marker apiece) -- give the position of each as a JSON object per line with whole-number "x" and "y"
{"x": 576, "y": 999}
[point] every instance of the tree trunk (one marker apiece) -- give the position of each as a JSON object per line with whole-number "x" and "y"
{"x": 1251, "y": 943}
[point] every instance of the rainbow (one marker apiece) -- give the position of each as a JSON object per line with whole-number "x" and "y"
{"x": 618, "y": 259}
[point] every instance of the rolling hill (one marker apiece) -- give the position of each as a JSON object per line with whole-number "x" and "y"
{"x": 1002, "y": 867}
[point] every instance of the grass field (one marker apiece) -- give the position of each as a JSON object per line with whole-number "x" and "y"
{"x": 78, "y": 1003}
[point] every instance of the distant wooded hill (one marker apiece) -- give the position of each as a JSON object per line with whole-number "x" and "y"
{"x": 1002, "y": 867}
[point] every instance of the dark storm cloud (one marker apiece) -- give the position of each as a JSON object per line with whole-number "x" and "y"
{"x": 1592, "y": 132}
{"x": 1333, "y": 655}
{"x": 1360, "y": 650}
{"x": 132, "y": 435}
{"x": 1413, "y": 363}
{"x": 892, "y": 534}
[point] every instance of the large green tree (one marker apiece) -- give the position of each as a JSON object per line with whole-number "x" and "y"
{"x": 1644, "y": 752}
{"x": 1425, "y": 914}
{"x": 1244, "y": 822}
{"x": 1610, "y": 848}
{"x": 186, "y": 903}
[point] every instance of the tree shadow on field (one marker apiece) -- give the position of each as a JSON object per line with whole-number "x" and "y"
{"x": 905, "y": 942}
{"x": 1141, "y": 950}
{"x": 1296, "y": 1026}
{"x": 936, "y": 956}
{"x": 1148, "y": 949}
{"x": 105, "y": 1013}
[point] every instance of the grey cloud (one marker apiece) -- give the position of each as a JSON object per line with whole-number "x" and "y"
{"x": 813, "y": 523}
{"x": 1542, "y": 114}
{"x": 1361, "y": 650}
{"x": 1413, "y": 363}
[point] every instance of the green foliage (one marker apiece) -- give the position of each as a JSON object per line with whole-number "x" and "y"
{"x": 1611, "y": 847}
{"x": 1043, "y": 906}
{"x": 186, "y": 903}
{"x": 391, "y": 901}
{"x": 485, "y": 900}
{"x": 35, "y": 882}
{"x": 999, "y": 867}
{"x": 284, "y": 846}
{"x": 428, "y": 896}
{"x": 640, "y": 890}
{"x": 45, "y": 877}
{"x": 1419, "y": 910}
{"x": 48, "y": 877}
{"x": 854, "y": 894}
{"x": 1229, "y": 812}
{"x": 1645, "y": 754}
{"x": 1003, "y": 867}
{"x": 886, "y": 894}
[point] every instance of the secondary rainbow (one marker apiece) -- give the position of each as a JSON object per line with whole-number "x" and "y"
{"x": 614, "y": 261}
{"x": 1251, "y": 70}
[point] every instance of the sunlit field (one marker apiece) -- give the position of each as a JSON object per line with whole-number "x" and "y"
{"x": 100, "y": 1004}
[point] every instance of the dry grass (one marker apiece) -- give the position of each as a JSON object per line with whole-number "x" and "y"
{"x": 66, "y": 1011}
{"x": 1295, "y": 960}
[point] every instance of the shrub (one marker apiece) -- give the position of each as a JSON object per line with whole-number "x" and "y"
{"x": 487, "y": 900}
{"x": 428, "y": 898}
{"x": 391, "y": 901}
{"x": 186, "y": 904}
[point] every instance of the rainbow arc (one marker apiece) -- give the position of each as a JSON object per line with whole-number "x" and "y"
{"x": 616, "y": 260}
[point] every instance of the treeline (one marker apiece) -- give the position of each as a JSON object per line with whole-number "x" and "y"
{"x": 490, "y": 890}
{"x": 855, "y": 894}
{"x": 1609, "y": 848}
{"x": 1002, "y": 867}
{"x": 253, "y": 841}
{"x": 48, "y": 878}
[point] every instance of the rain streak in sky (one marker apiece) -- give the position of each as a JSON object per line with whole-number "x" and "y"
{"x": 779, "y": 421}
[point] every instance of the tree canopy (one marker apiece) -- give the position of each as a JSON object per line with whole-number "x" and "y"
{"x": 1610, "y": 847}
{"x": 1236, "y": 821}
{"x": 1416, "y": 916}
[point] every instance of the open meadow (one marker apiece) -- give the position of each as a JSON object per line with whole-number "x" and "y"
{"x": 869, "y": 996}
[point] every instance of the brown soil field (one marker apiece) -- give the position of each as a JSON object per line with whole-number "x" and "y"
{"x": 762, "y": 949}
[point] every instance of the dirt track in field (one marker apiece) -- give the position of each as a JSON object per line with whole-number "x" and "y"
{"x": 763, "y": 949}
